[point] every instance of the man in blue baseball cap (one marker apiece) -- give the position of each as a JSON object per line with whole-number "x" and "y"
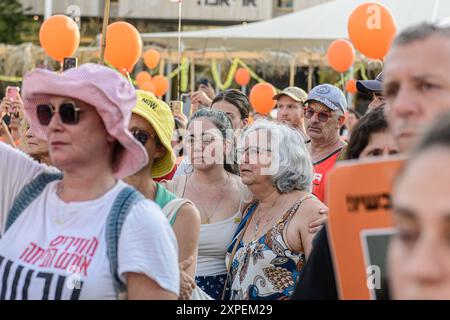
{"x": 325, "y": 110}
{"x": 374, "y": 89}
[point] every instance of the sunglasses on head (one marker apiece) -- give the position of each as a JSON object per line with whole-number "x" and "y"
{"x": 141, "y": 135}
{"x": 321, "y": 115}
{"x": 68, "y": 112}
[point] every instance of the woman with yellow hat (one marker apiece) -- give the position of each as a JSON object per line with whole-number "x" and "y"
{"x": 152, "y": 124}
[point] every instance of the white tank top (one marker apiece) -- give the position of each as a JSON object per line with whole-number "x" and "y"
{"x": 214, "y": 238}
{"x": 213, "y": 244}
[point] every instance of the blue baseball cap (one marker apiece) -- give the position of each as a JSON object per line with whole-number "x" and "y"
{"x": 370, "y": 86}
{"x": 330, "y": 96}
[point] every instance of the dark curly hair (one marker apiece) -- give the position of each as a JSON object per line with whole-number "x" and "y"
{"x": 372, "y": 122}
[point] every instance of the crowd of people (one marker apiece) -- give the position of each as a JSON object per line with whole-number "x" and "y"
{"x": 107, "y": 194}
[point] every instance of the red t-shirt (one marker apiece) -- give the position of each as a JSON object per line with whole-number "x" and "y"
{"x": 321, "y": 169}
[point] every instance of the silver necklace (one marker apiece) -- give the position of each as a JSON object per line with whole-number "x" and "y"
{"x": 266, "y": 223}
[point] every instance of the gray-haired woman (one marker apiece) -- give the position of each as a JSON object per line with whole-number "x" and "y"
{"x": 273, "y": 239}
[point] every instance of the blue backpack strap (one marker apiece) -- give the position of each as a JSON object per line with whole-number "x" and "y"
{"x": 126, "y": 199}
{"x": 27, "y": 195}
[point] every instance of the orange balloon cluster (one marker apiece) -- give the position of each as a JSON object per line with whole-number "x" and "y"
{"x": 161, "y": 85}
{"x": 351, "y": 86}
{"x": 143, "y": 77}
{"x": 123, "y": 45}
{"x": 261, "y": 98}
{"x": 341, "y": 55}
{"x": 59, "y": 37}
{"x": 148, "y": 86}
{"x": 151, "y": 58}
{"x": 371, "y": 28}
{"x": 158, "y": 84}
{"x": 242, "y": 77}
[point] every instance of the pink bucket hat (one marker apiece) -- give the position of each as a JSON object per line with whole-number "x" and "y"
{"x": 108, "y": 92}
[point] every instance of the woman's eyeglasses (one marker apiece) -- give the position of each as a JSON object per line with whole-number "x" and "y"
{"x": 141, "y": 135}
{"x": 321, "y": 115}
{"x": 205, "y": 139}
{"x": 68, "y": 112}
{"x": 251, "y": 151}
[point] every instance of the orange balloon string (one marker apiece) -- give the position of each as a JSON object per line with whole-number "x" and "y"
{"x": 129, "y": 78}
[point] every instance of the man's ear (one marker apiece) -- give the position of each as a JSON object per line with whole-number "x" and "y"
{"x": 341, "y": 121}
{"x": 245, "y": 122}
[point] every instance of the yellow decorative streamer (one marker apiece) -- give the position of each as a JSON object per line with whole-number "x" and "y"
{"x": 229, "y": 79}
{"x": 10, "y": 79}
{"x": 230, "y": 76}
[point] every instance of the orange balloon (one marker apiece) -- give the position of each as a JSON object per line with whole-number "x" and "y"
{"x": 148, "y": 86}
{"x": 351, "y": 86}
{"x": 242, "y": 77}
{"x": 151, "y": 58}
{"x": 371, "y": 28}
{"x": 143, "y": 77}
{"x": 127, "y": 72}
{"x": 123, "y": 45}
{"x": 59, "y": 37}
{"x": 161, "y": 85}
{"x": 261, "y": 98}
{"x": 341, "y": 55}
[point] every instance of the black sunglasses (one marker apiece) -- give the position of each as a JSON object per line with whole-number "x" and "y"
{"x": 141, "y": 135}
{"x": 68, "y": 112}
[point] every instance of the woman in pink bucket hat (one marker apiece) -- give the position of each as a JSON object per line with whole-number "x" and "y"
{"x": 80, "y": 232}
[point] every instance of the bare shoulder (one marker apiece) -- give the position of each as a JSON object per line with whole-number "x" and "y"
{"x": 313, "y": 204}
{"x": 188, "y": 213}
{"x": 309, "y": 209}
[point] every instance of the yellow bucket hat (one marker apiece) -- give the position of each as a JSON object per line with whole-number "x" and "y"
{"x": 160, "y": 117}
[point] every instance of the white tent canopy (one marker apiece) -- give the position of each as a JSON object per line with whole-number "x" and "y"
{"x": 309, "y": 30}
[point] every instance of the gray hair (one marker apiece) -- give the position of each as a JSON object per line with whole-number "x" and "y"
{"x": 295, "y": 169}
{"x": 421, "y": 32}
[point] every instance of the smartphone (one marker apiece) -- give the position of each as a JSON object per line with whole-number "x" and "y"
{"x": 186, "y": 105}
{"x": 203, "y": 81}
{"x": 6, "y": 119}
{"x": 175, "y": 106}
{"x": 12, "y": 93}
{"x": 70, "y": 63}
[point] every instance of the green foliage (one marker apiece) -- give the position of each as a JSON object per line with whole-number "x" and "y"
{"x": 12, "y": 19}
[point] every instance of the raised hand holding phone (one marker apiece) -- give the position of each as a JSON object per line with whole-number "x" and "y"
{"x": 12, "y": 93}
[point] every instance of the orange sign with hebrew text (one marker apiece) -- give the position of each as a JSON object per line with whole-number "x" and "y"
{"x": 360, "y": 222}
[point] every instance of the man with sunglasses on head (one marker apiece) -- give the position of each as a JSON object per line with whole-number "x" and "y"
{"x": 373, "y": 89}
{"x": 325, "y": 110}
